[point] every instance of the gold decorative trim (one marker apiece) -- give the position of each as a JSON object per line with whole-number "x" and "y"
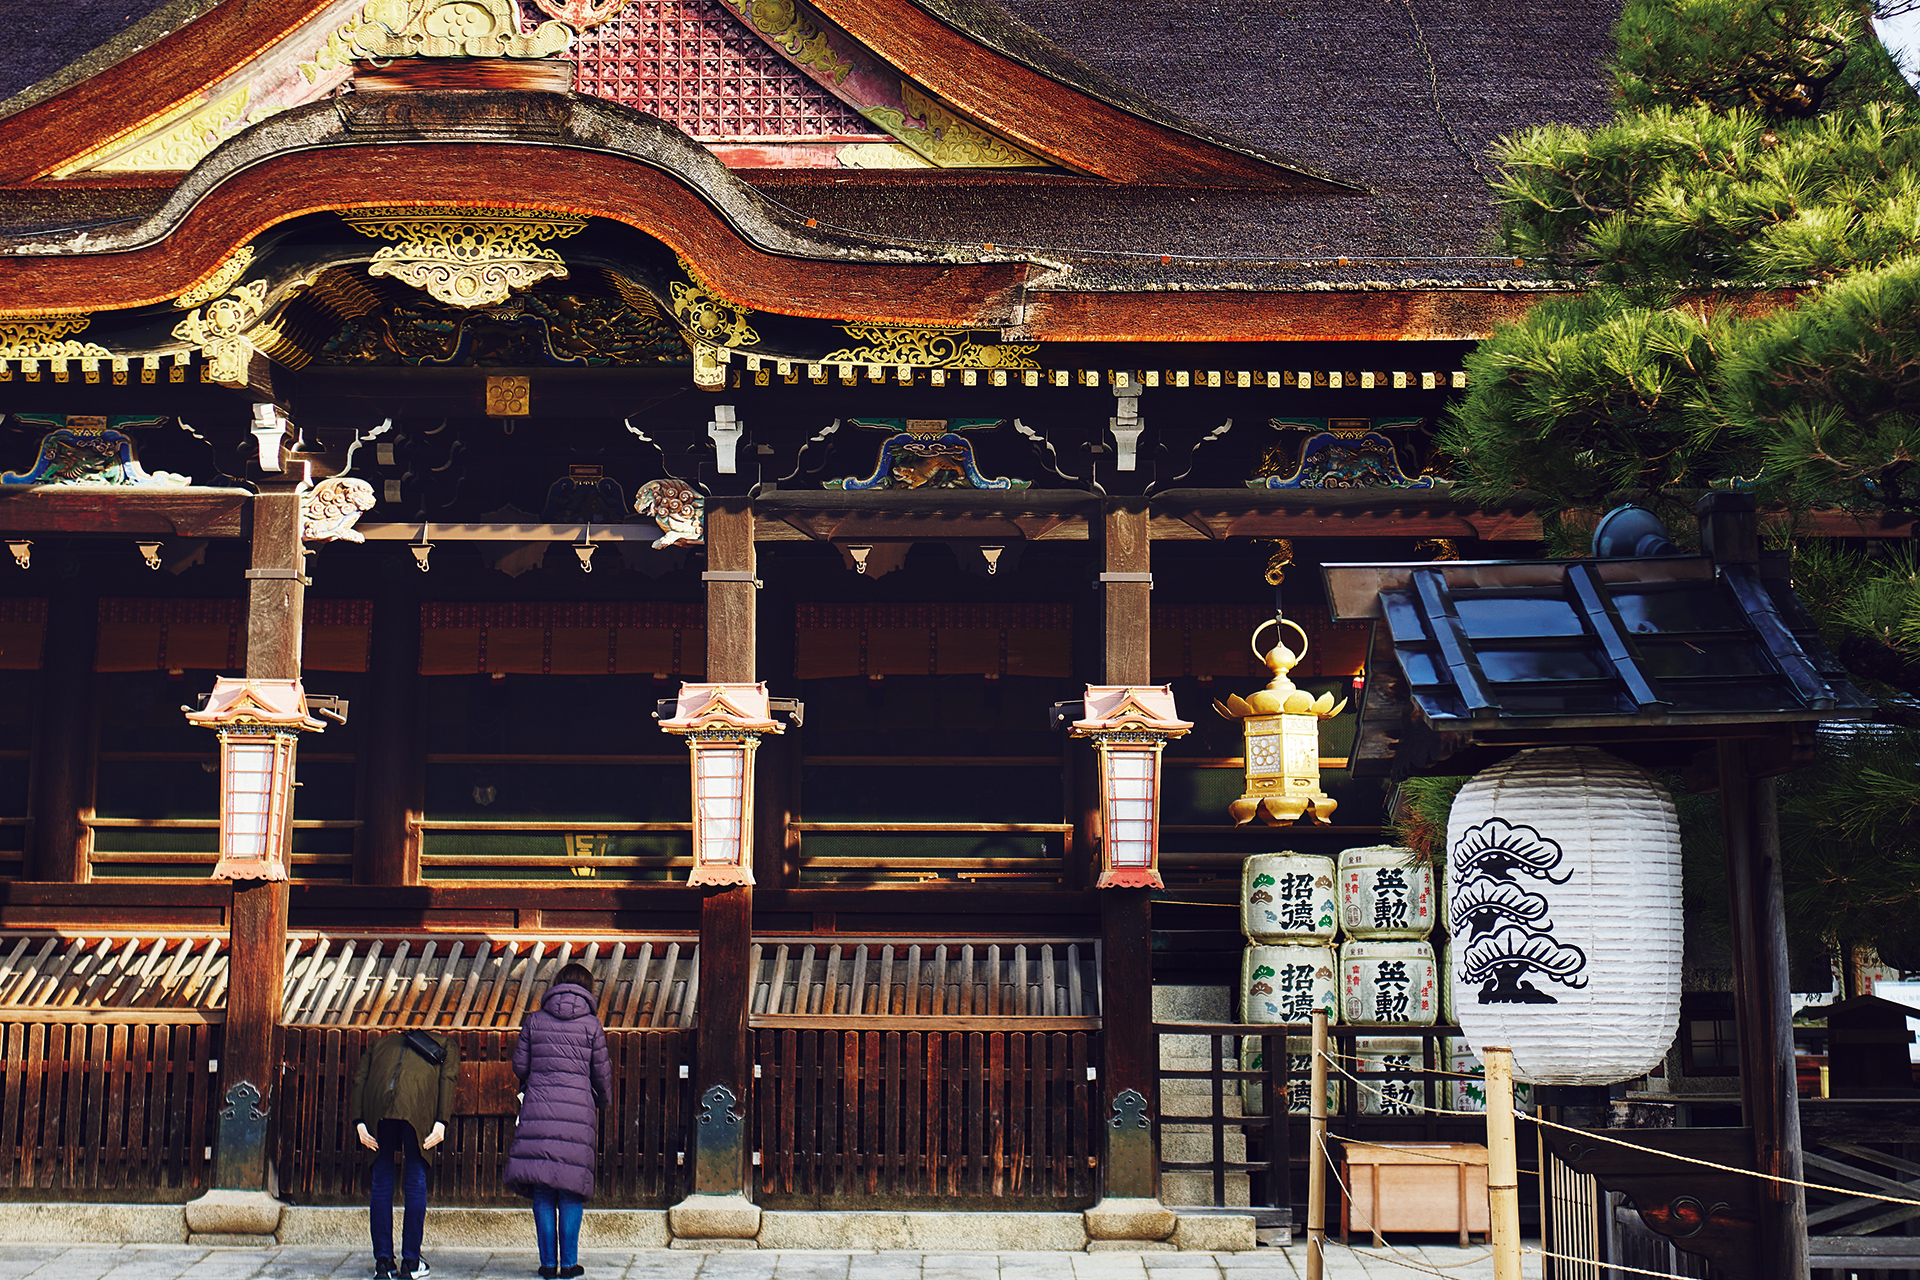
{"x": 219, "y": 282}
{"x": 930, "y": 348}
{"x": 449, "y": 29}
{"x": 227, "y": 332}
{"x": 182, "y": 145}
{"x": 945, "y": 137}
{"x": 709, "y": 317}
{"x": 467, "y": 256}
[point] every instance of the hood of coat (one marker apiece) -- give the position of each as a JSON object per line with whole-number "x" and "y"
{"x": 567, "y": 1001}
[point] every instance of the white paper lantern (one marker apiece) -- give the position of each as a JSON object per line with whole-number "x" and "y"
{"x": 1288, "y": 897}
{"x": 1385, "y": 892}
{"x": 1563, "y": 883}
{"x": 1285, "y": 983}
{"x": 1389, "y": 983}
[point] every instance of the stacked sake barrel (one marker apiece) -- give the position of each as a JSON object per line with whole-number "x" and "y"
{"x": 1349, "y": 937}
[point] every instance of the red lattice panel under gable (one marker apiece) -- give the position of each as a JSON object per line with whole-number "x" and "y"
{"x": 694, "y": 64}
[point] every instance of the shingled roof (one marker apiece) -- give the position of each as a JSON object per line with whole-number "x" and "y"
{"x": 1398, "y": 99}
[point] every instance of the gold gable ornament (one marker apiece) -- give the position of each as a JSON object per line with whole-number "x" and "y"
{"x": 449, "y": 29}
{"x": 1281, "y": 728}
{"x": 467, "y": 256}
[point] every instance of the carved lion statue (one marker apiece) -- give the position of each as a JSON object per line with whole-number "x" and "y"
{"x": 332, "y": 506}
{"x": 676, "y": 507}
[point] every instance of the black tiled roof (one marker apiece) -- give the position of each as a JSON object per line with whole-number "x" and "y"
{"x": 1669, "y": 643}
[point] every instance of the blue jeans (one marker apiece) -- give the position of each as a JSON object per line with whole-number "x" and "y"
{"x": 398, "y": 1142}
{"x": 556, "y": 1226}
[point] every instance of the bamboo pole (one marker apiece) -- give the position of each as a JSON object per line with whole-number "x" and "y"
{"x": 1316, "y": 1146}
{"x": 1503, "y": 1164}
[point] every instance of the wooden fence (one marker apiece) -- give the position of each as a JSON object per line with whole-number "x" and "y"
{"x": 107, "y": 1110}
{"x": 928, "y": 1119}
{"x": 642, "y": 1135}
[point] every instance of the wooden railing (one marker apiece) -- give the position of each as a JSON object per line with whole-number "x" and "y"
{"x": 120, "y": 1111}
{"x": 203, "y": 860}
{"x": 1226, "y": 1110}
{"x": 642, "y": 1136}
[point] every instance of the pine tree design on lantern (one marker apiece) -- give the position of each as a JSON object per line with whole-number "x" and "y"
{"x": 1508, "y": 934}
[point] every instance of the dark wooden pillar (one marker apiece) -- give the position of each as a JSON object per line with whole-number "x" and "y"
{"x": 61, "y": 790}
{"x": 276, "y": 597}
{"x": 1130, "y": 1054}
{"x": 726, "y": 915}
{"x": 1769, "y": 1094}
{"x": 389, "y": 850}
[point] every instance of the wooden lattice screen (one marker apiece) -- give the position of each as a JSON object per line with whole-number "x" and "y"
{"x": 483, "y": 983}
{"x": 1040, "y": 978}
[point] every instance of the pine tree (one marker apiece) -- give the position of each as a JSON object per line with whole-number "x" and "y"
{"x": 1743, "y": 244}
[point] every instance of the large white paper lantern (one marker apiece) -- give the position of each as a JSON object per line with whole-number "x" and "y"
{"x": 1563, "y": 886}
{"x": 1288, "y": 897}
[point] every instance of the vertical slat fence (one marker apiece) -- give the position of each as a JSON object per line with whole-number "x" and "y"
{"x": 642, "y": 1135}
{"x": 935, "y": 1118}
{"x": 107, "y": 1110}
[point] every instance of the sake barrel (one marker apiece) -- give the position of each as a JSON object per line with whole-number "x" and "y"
{"x": 1286, "y": 982}
{"x": 1389, "y": 984}
{"x": 1253, "y": 1093}
{"x": 1385, "y": 893}
{"x": 1288, "y": 897}
{"x": 1400, "y": 1093}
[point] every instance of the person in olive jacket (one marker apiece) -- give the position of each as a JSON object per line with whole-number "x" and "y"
{"x": 401, "y": 1105}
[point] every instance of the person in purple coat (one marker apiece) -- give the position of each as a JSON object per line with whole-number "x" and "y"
{"x": 566, "y": 1076}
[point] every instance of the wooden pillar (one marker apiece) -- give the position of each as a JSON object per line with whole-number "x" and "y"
{"x": 1128, "y": 593}
{"x": 1130, "y": 1054}
{"x": 726, "y": 914}
{"x": 276, "y": 597}
{"x": 1769, "y": 1094}
{"x": 61, "y": 790}
{"x": 389, "y": 851}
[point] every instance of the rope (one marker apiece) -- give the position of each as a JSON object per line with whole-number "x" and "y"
{"x": 1422, "y": 1071}
{"x": 1413, "y": 1106}
{"x": 1604, "y": 1266}
{"x": 1724, "y": 1168}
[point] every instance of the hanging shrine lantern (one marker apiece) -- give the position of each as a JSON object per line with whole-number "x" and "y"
{"x": 1281, "y": 728}
{"x": 1130, "y": 725}
{"x": 1563, "y": 888}
{"x": 259, "y": 723}
{"x": 723, "y": 724}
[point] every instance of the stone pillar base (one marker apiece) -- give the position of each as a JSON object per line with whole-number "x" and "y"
{"x": 714, "y": 1218}
{"x": 234, "y": 1213}
{"x": 1130, "y": 1218}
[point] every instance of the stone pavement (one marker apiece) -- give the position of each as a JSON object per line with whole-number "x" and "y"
{"x": 192, "y": 1262}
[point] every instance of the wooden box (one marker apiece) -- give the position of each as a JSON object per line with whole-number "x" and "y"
{"x": 1418, "y": 1186}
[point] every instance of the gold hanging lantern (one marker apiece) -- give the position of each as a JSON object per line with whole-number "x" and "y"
{"x": 260, "y": 723}
{"x": 1129, "y": 726}
{"x": 723, "y": 725}
{"x": 1281, "y": 728}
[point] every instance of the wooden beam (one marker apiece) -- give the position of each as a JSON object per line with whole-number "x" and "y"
{"x": 61, "y": 786}
{"x": 176, "y": 513}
